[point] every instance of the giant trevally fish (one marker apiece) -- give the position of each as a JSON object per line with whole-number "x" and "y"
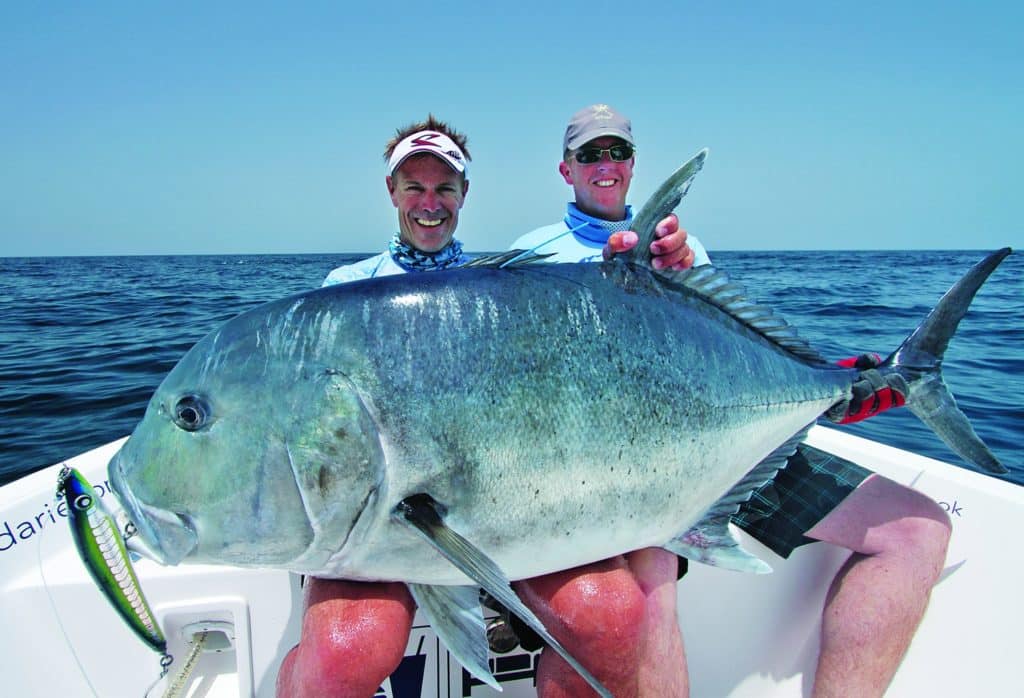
{"x": 459, "y": 429}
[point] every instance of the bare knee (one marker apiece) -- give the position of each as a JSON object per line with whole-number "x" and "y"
{"x": 923, "y": 541}
{"x": 920, "y": 529}
{"x": 654, "y": 568}
{"x": 613, "y": 615}
{"x": 600, "y": 607}
{"x": 353, "y": 637}
{"x": 367, "y": 631}
{"x": 884, "y": 517}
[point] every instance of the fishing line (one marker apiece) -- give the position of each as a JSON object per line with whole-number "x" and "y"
{"x": 533, "y": 249}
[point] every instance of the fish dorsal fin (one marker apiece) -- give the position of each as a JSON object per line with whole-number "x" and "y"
{"x": 710, "y": 283}
{"x": 504, "y": 260}
{"x": 710, "y": 541}
{"x": 661, "y": 203}
{"x": 714, "y": 286}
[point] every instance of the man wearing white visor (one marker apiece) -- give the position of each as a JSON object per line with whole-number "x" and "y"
{"x": 428, "y": 181}
{"x": 354, "y": 634}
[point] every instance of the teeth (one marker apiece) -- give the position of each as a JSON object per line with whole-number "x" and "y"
{"x": 605, "y": 183}
{"x": 429, "y": 222}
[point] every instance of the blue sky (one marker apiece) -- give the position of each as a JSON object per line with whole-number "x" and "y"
{"x": 160, "y": 128}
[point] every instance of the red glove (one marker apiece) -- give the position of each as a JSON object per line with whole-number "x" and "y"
{"x": 862, "y": 362}
{"x": 873, "y": 393}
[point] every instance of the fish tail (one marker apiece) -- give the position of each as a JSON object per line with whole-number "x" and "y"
{"x": 919, "y": 362}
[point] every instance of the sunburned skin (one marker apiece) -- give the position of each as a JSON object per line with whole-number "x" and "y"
{"x": 428, "y": 195}
{"x": 600, "y": 187}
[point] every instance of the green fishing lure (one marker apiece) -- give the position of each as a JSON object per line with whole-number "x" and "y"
{"x": 102, "y": 549}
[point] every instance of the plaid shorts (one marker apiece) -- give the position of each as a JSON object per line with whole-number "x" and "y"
{"x": 805, "y": 491}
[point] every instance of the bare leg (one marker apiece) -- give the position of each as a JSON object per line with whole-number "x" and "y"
{"x": 618, "y": 617}
{"x": 663, "y": 670}
{"x": 354, "y": 634}
{"x": 899, "y": 538}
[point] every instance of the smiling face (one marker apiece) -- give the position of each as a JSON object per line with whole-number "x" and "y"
{"x": 600, "y": 187}
{"x": 428, "y": 195}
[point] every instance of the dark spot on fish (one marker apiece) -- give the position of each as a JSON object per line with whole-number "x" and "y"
{"x": 323, "y": 478}
{"x": 340, "y": 433}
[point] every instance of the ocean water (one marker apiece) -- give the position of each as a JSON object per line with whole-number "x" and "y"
{"x": 84, "y": 341}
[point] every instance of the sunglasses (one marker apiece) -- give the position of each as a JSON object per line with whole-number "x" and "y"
{"x": 618, "y": 153}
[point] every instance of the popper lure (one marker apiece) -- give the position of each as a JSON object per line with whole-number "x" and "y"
{"x": 102, "y": 549}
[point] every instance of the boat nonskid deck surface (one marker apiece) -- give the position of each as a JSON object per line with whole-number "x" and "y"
{"x": 765, "y": 624}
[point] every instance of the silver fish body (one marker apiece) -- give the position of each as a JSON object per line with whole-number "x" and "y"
{"x": 559, "y": 414}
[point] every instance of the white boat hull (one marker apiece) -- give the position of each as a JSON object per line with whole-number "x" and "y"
{"x": 746, "y": 635}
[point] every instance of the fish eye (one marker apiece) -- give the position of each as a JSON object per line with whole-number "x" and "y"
{"x": 191, "y": 413}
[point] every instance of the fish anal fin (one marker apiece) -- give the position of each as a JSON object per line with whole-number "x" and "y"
{"x": 713, "y": 543}
{"x": 710, "y": 540}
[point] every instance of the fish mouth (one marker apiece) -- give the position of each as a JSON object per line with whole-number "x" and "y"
{"x": 167, "y": 537}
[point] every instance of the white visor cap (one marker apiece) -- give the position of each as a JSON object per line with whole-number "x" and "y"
{"x": 437, "y": 144}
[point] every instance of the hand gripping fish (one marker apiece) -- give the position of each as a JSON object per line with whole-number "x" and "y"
{"x": 463, "y": 428}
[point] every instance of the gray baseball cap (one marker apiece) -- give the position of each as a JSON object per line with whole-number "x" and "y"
{"x": 593, "y": 122}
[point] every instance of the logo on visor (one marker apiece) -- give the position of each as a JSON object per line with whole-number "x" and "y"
{"x": 602, "y": 111}
{"x": 426, "y": 140}
{"x": 438, "y": 141}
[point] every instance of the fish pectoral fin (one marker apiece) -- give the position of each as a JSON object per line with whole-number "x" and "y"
{"x": 455, "y": 615}
{"x": 426, "y": 516}
{"x": 712, "y": 543}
